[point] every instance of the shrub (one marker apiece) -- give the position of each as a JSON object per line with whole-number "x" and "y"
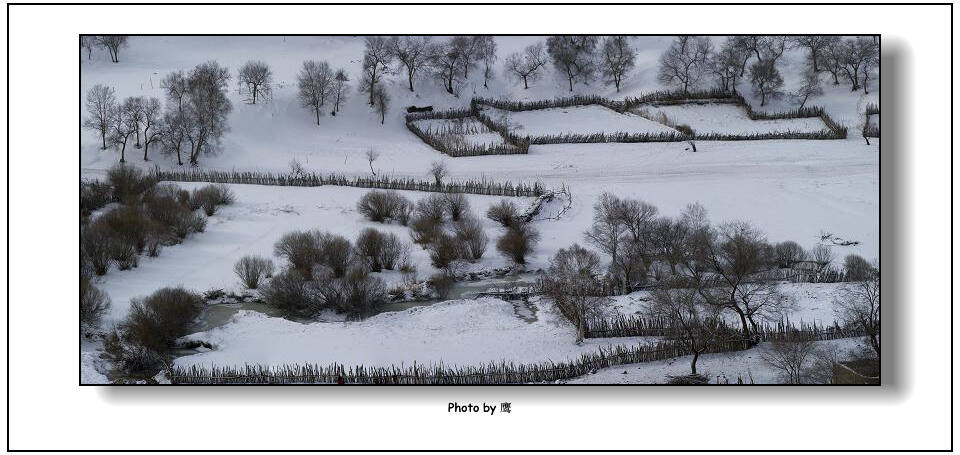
{"x": 685, "y": 129}
{"x": 94, "y": 195}
{"x": 423, "y": 230}
{"x": 93, "y": 303}
{"x": 290, "y": 293}
{"x": 302, "y": 250}
{"x": 432, "y": 207}
{"x": 156, "y": 321}
{"x": 789, "y": 253}
{"x": 444, "y": 250}
{"x": 442, "y": 283}
{"x": 210, "y": 197}
{"x": 95, "y": 244}
{"x": 505, "y": 213}
{"x": 369, "y": 246}
{"x": 362, "y": 293}
{"x": 858, "y": 269}
{"x": 471, "y": 236}
{"x": 518, "y": 242}
{"x": 378, "y": 206}
{"x": 457, "y": 205}
{"x": 128, "y": 182}
{"x": 252, "y": 269}
{"x": 129, "y": 226}
{"x": 336, "y": 253}
{"x": 394, "y": 253}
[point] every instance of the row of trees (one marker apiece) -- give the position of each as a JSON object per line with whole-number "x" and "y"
{"x": 112, "y": 44}
{"x": 690, "y": 60}
{"x": 192, "y": 121}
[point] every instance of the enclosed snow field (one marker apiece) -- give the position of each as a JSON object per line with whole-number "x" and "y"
{"x": 723, "y": 118}
{"x": 576, "y": 120}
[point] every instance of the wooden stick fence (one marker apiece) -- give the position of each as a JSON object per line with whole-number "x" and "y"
{"x": 481, "y": 186}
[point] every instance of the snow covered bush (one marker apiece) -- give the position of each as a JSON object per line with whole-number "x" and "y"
{"x": 518, "y": 242}
{"x": 301, "y": 249}
{"x": 505, "y": 212}
{"x": 290, "y": 293}
{"x": 379, "y": 206}
{"x": 93, "y": 303}
{"x": 94, "y": 195}
{"x": 380, "y": 250}
{"x": 128, "y": 182}
{"x": 457, "y": 205}
{"x": 442, "y": 283}
{"x": 156, "y": 321}
{"x": 252, "y": 269}
{"x": 362, "y": 293}
{"x": 95, "y": 247}
{"x": 210, "y": 197}
{"x": 433, "y": 207}
{"x": 423, "y": 229}
{"x": 471, "y": 236}
{"x": 444, "y": 250}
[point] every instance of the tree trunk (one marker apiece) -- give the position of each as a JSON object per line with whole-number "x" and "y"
{"x": 316, "y": 109}
{"x": 525, "y": 86}
{"x": 693, "y": 362}
{"x": 146, "y": 146}
{"x": 103, "y": 137}
{"x": 123, "y": 150}
{"x": 570, "y": 80}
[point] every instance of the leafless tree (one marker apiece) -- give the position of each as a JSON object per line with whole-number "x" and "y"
{"x": 438, "y": 169}
{"x": 153, "y": 128}
{"x": 685, "y": 61}
{"x": 832, "y": 60}
{"x": 526, "y": 66}
{"x": 446, "y": 61}
{"x": 518, "y": 242}
{"x": 467, "y": 47}
{"x": 696, "y": 324}
{"x": 856, "y": 56}
{"x": 821, "y": 256}
{"x": 257, "y": 78}
{"x": 206, "y": 108}
{"x": 856, "y": 268}
{"x": 174, "y": 132}
{"x": 102, "y": 107}
{"x": 789, "y": 253}
{"x": 412, "y": 53}
{"x": 122, "y": 127}
{"x": 133, "y": 107}
{"x": 726, "y": 65}
{"x": 810, "y": 86}
{"x": 574, "y": 56}
{"x": 377, "y": 57}
{"x": 381, "y": 102}
{"x": 113, "y": 43}
{"x": 858, "y": 305}
{"x": 606, "y": 232}
{"x": 570, "y": 281}
{"x": 766, "y": 80}
{"x": 87, "y": 43}
{"x": 372, "y": 156}
{"x": 340, "y": 88}
{"x": 175, "y": 86}
{"x": 816, "y": 45}
{"x": 315, "y": 84}
{"x": 487, "y": 54}
{"x": 792, "y": 358}
{"x": 617, "y": 59}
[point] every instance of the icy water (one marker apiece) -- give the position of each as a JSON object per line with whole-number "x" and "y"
{"x": 219, "y": 314}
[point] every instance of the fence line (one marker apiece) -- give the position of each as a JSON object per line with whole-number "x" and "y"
{"x": 481, "y": 186}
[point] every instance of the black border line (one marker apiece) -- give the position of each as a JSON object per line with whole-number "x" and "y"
{"x": 475, "y": 4}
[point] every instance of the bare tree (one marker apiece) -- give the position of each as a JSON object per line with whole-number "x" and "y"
{"x": 381, "y": 102}
{"x": 467, "y": 47}
{"x": 372, "y": 156}
{"x": 175, "y": 126}
{"x": 412, "y": 53}
{"x": 606, "y": 232}
{"x": 526, "y": 66}
{"x": 792, "y": 358}
{"x": 685, "y": 61}
{"x": 102, "y": 107}
{"x": 377, "y": 57}
{"x": 315, "y": 83}
{"x": 153, "y": 129}
{"x": 340, "y": 87}
{"x": 206, "y": 108}
{"x": 175, "y": 86}
{"x": 571, "y": 281}
{"x": 113, "y": 43}
{"x": 856, "y": 55}
{"x": 856, "y": 268}
{"x": 574, "y": 56}
{"x": 726, "y": 65}
{"x": 133, "y": 107}
{"x": 695, "y": 324}
{"x": 257, "y": 78}
{"x": 87, "y": 43}
{"x": 832, "y": 60}
{"x": 446, "y": 61}
{"x": 486, "y": 52}
{"x": 821, "y": 256}
{"x": 438, "y": 169}
{"x": 810, "y": 86}
{"x": 618, "y": 58}
{"x": 789, "y": 253}
{"x": 122, "y": 127}
{"x": 518, "y": 242}
{"x": 858, "y": 305}
{"x": 816, "y": 45}
{"x": 766, "y": 80}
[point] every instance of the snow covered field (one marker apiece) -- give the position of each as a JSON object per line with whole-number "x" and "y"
{"x": 575, "y": 120}
{"x": 721, "y": 118}
{"x": 790, "y": 189}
